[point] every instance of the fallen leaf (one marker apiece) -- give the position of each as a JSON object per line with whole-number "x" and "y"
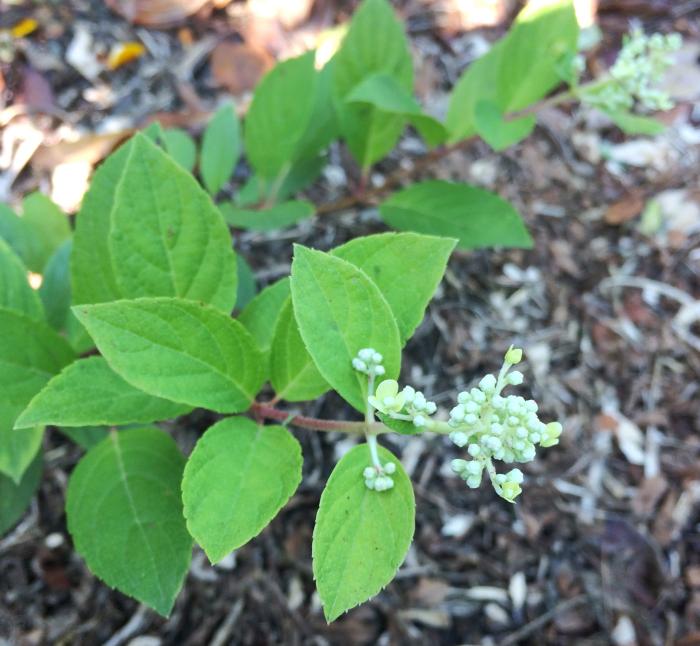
{"x": 238, "y": 66}
{"x": 625, "y": 209}
{"x": 156, "y": 13}
{"x": 24, "y": 28}
{"x": 123, "y": 53}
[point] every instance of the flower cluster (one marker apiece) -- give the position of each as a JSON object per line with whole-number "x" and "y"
{"x": 369, "y": 361}
{"x": 636, "y": 74}
{"x": 379, "y": 478}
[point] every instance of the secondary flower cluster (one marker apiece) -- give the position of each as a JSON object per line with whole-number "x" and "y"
{"x": 379, "y": 478}
{"x": 637, "y": 73}
{"x": 369, "y": 361}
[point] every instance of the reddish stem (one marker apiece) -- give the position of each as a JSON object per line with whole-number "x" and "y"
{"x": 313, "y": 423}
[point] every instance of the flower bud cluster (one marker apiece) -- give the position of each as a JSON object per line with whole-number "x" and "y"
{"x": 408, "y": 404}
{"x": 494, "y": 427}
{"x": 369, "y": 361}
{"x": 637, "y": 73}
{"x": 379, "y": 479}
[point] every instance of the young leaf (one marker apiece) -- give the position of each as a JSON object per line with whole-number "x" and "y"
{"x": 495, "y": 130}
{"x": 15, "y": 497}
{"x": 178, "y": 350}
{"x": 361, "y": 536}
{"x": 279, "y": 115}
{"x": 181, "y": 147}
{"x": 258, "y": 189}
{"x": 221, "y": 148}
{"x": 278, "y": 216}
{"x": 125, "y": 515}
{"x": 386, "y": 94}
{"x": 47, "y": 226}
{"x": 293, "y": 374}
{"x": 260, "y": 315}
{"x": 89, "y": 393}
{"x": 55, "y": 291}
{"x": 236, "y": 480}
{"x": 167, "y": 238}
{"x": 475, "y": 217}
{"x": 247, "y": 285}
{"x": 30, "y": 354}
{"x": 339, "y": 311}
{"x": 15, "y": 292}
{"x": 407, "y": 286}
{"x": 370, "y": 133}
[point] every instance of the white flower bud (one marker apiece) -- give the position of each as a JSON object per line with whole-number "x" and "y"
{"x": 458, "y": 466}
{"x": 515, "y": 378}
{"x": 369, "y": 472}
{"x": 366, "y": 354}
{"x": 379, "y": 370}
{"x": 470, "y": 419}
{"x": 513, "y": 356}
{"x": 477, "y": 395}
{"x": 463, "y": 397}
{"x": 360, "y": 365}
{"x": 458, "y": 438}
{"x": 377, "y": 358}
{"x": 488, "y": 383}
{"x": 430, "y": 407}
{"x": 389, "y": 468}
{"x": 419, "y": 421}
{"x": 474, "y": 450}
{"x": 473, "y": 482}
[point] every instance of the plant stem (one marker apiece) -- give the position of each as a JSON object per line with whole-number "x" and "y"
{"x": 265, "y": 411}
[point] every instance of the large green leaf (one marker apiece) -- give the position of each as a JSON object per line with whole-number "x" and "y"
{"x": 221, "y": 148}
{"x": 361, "y": 536}
{"x": 181, "y": 147}
{"x": 125, "y": 515}
{"x": 407, "y": 268}
{"x": 267, "y": 219}
{"x": 148, "y": 229}
{"x": 15, "y": 497}
{"x": 520, "y": 69}
{"x": 30, "y": 354}
{"x": 339, "y": 311}
{"x": 293, "y": 373}
{"x": 374, "y": 44}
{"x": 89, "y": 393}
{"x": 15, "y": 292}
{"x": 474, "y": 216}
{"x": 236, "y": 480}
{"x": 179, "y": 350}
{"x": 279, "y": 114}
{"x": 260, "y": 315}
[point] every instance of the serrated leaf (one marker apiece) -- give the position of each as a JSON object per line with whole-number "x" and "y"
{"x": 474, "y": 216}
{"x": 279, "y": 114}
{"x": 89, "y": 393}
{"x": 407, "y": 286}
{"x": 15, "y": 497}
{"x": 370, "y": 133}
{"x": 278, "y": 216}
{"x": 361, "y": 536}
{"x": 495, "y": 130}
{"x": 293, "y": 373}
{"x": 179, "y": 350}
{"x": 221, "y": 148}
{"x": 47, "y": 226}
{"x": 181, "y": 147}
{"x": 386, "y": 94}
{"x": 167, "y": 237}
{"x": 125, "y": 515}
{"x": 148, "y": 229}
{"x": 339, "y": 311}
{"x": 15, "y": 292}
{"x": 30, "y": 354}
{"x": 261, "y": 314}
{"x": 236, "y": 480}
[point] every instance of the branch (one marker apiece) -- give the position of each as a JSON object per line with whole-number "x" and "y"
{"x": 265, "y": 411}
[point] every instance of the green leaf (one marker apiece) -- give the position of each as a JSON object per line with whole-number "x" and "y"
{"x": 247, "y": 285}
{"x": 14, "y": 231}
{"x": 258, "y": 190}
{"x": 496, "y": 131}
{"x": 85, "y": 436}
{"x": 400, "y": 426}
{"x": 386, "y": 94}
{"x": 181, "y": 147}
{"x": 261, "y": 314}
{"x": 167, "y": 237}
{"x": 178, "y": 350}
{"x": 339, "y": 311}
{"x": 275, "y": 217}
{"x": 236, "y": 480}
{"x": 361, "y": 536}
{"x": 520, "y": 69}
{"x": 15, "y": 497}
{"x": 125, "y": 515}
{"x": 635, "y": 124}
{"x": 407, "y": 286}
{"x": 47, "y": 226}
{"x": 293, "y": 373}
{"x": 279, "y": 114}
{"x": 89, "y": 393}
{"x": 371, "y": 133}
{"x": 148, "y": 229}
{"x": 15, "y": 292}
{"x": 221, "y": 148}
{"x": 475, "y": 217}
{"x": 30, "y": 354}
{"x": 55, "y": 290}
